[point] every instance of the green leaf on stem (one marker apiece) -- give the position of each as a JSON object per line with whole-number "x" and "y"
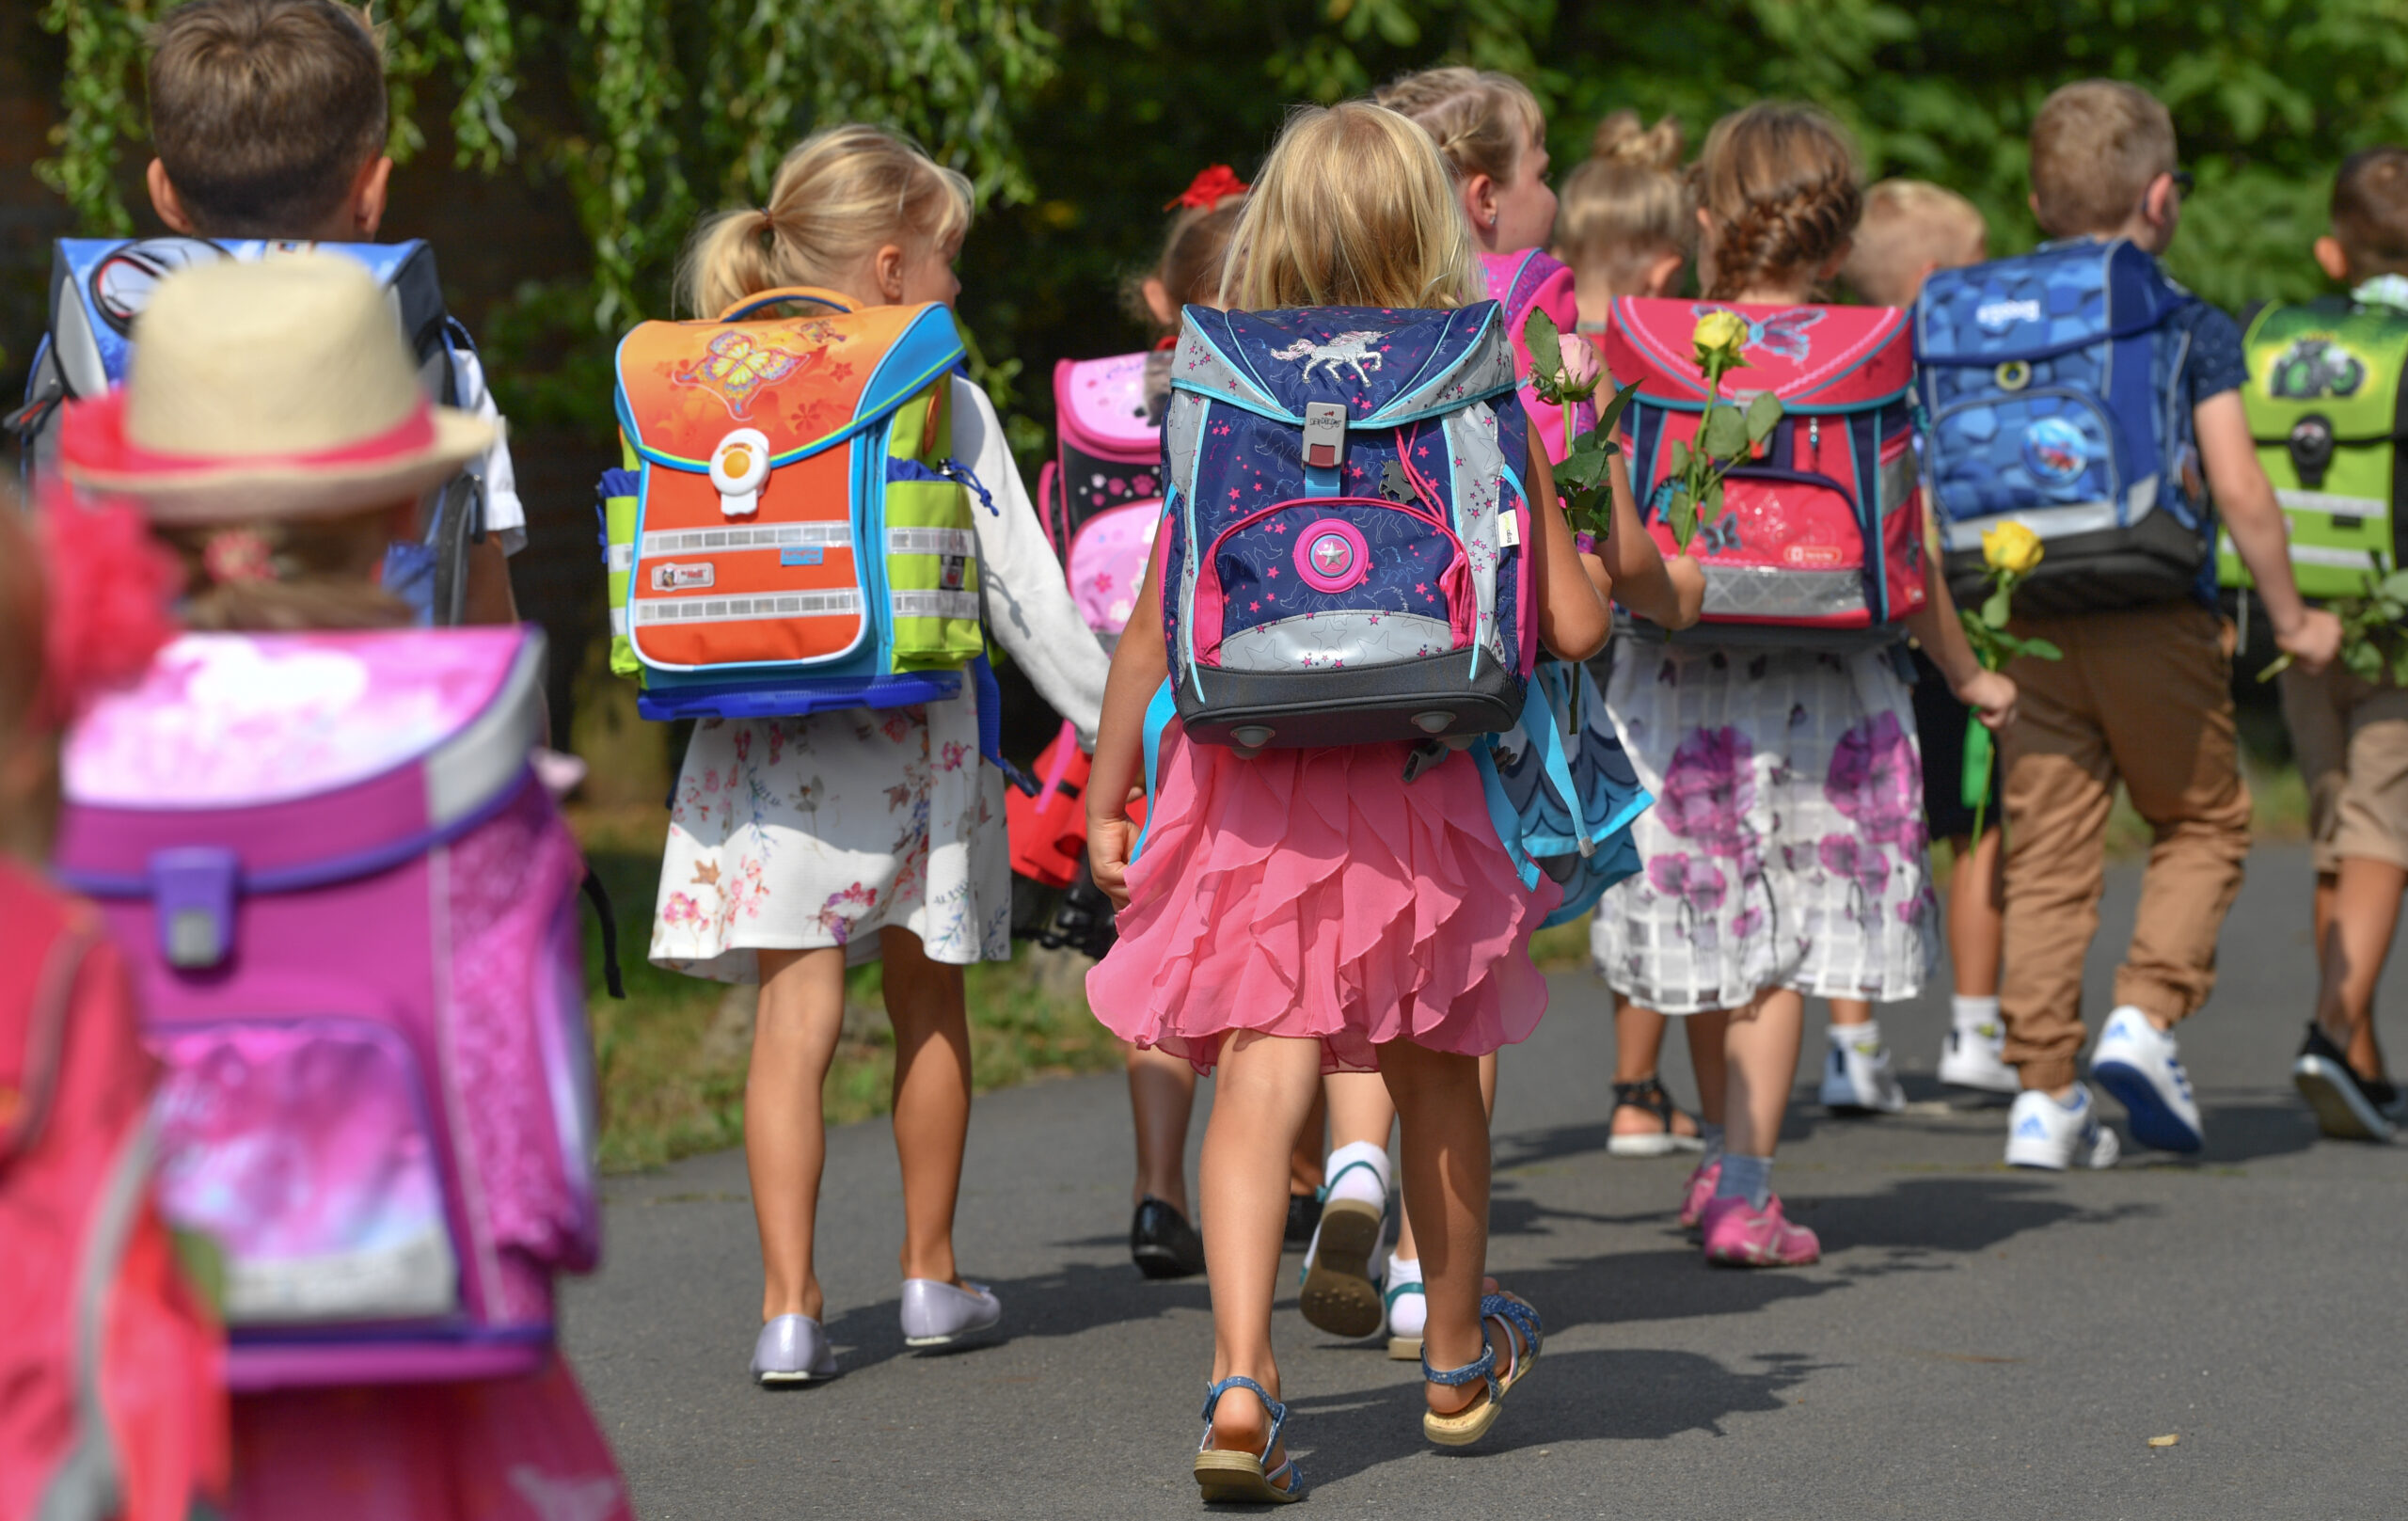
{"x": 1997, "y": 607}
{"x": 1610, "y": 417}
{"x": 1725, "y": 433}
{"x": 1714, "y": 500}
{"x": 1763, "y": 415}
{"x": 2040, "y": 649}
{"x": 1682, "y": 513}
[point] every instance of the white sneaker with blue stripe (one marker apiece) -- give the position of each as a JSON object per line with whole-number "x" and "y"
{"x": 2043, "y": 1133}
{"x": 2140, "y": 1068}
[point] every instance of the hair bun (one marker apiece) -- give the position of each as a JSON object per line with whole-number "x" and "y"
{"x": 1621, "y": 140}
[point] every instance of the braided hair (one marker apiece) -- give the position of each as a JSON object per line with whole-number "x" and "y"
{"x": 1779, "y": 187}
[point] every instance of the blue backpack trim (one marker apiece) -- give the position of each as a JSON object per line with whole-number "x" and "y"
{"x": 1160, "y": 710}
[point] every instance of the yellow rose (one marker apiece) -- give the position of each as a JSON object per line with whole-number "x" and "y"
{"x": 1725, "y": 331}
{"x": 2011, "y": 547}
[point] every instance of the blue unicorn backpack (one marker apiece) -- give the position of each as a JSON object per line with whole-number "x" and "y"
{"x": 100, "y": 286}
{"x": 2050, "y": 389}
{"x": 1345, "y": 562}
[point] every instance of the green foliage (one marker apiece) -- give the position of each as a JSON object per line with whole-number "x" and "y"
{"x": 1077, "y": 118}
{"x": 2374, "y": 629}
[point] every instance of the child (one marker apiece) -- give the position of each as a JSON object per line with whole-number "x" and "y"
{"x": 797, "y": 845}
{"x": 82, "y": 605}
{"x": 268, "y": 117}
{"x": 2352, "y": 736}
{"x": 277, "y": 493}
{"x": 1161, "y": 1087}
{"x": 1909, "y": 229}
{"x": 1742, "y": 745}
{"x": 2104, "y": 166}
{"x": 1347, "y": 917}
{"x": 1627, "y": 225}
{"x": 1492, "y": 136}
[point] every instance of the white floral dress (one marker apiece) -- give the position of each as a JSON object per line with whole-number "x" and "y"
{"x": 798, "y": 834}
{"x": 1786, "y": 846}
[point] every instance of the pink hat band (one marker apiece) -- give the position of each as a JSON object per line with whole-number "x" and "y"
{"x": 92, "y": 436}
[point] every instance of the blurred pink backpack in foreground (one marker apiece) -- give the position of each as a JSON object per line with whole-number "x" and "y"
{"x": 356, "y": 918}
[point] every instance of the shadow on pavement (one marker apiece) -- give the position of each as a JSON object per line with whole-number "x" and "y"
{"x": 1621, "y": 1394}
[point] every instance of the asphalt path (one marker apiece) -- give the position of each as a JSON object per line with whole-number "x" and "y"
{"x": 1977, "y": 1343}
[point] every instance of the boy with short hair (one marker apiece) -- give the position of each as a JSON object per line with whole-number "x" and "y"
{"x": 2143, "y": 696}
{"x": 268, "y": 117}
{"x": 2352, "y": 736}
{"x": 1911, "y": 229}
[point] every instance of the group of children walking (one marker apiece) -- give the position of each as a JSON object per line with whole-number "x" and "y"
{"x": 1325, "y": 867}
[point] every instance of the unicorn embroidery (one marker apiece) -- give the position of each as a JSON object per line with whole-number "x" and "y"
{"x": 1352, "y": 351}
{"x": 1782, "y": 334}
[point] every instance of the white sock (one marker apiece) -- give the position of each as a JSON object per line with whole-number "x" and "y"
{"x": 1971, "y": 1012}
{"x": 1869, "y": 1033}
{"x": 1403, "y": 1270}
{"x": 1407, "y": 1313}
{"x": 1360, "y": 1171}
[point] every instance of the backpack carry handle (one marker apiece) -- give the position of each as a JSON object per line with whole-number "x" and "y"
{"x": 783, "y": 295}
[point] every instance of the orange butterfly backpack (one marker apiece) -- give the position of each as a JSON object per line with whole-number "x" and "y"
{"x": 789, "y": 533}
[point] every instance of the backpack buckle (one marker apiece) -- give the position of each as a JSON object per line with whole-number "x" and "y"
{"x": 1324, "y": 435}
{"x": 2311, "y": 449}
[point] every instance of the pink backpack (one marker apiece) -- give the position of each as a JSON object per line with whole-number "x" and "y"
{"x": 1102, "y": 497}
{"x": 354, "y": 911}
{"x": 1820, "y": 537}
{"x": 1522, "y": 283}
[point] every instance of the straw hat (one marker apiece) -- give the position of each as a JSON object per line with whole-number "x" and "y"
{"x": 279, "y": 388}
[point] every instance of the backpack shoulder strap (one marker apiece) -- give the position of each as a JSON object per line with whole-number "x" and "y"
{"x": 29, "y": 1074}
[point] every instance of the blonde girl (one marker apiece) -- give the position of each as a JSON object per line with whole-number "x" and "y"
{"x": 1490, "y": 132}
{"x": 1399, "y": 892}
{"x": 1625, "y": 223}
{"x": 797, "y": 845}
{"x": 1743, "y": 744}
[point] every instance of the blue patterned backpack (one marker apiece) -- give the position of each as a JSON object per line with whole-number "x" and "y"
{"x": 1345, "y": 563}
{"x": 2049, "y": 385}
{"x": 1562, "y": 790}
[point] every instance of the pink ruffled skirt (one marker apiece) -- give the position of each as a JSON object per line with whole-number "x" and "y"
{"x": 1315, "y": 892}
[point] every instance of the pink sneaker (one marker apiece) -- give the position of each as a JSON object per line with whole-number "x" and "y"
{"x": 1738, "y": 1235}
{"x": 1699, "y": 1193}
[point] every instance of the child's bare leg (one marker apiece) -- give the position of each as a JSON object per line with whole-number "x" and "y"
{"x": 1305, "y": 1158}
{"x": 923, "y": 999}
{"x": 1638, "y": 1054}
{"x": 1976, "y": 915}
{"x": 1263, "y": 1088}
{"x": 1161, "y": 1098}
{"x": 1446, "y": 1184}
{"x": 1847, "y": 1011}
{"x": 2359, "y": 916}
{"x": 1707, "y": 1034}
{"x": 785, "y": 1143}
{"x": 1760, "y": 1042}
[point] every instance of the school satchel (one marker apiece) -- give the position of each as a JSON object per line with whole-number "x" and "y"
{"x": 2324, "y": 400}
{"x": 100, "y": 286}
{"x": 788, "y": 534}
{"x": 354, "y": 915}
{"x": 1820, "y": 541}
{"x": 2050, "y": 387}
{"x": 1346, "y": 561}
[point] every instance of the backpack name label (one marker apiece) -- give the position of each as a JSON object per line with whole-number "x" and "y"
{"x": 807, "y": 555}
{"x": 688, "y": 578}
{"x": 1996, "y": 316}
{"x": 1325, "y": 435}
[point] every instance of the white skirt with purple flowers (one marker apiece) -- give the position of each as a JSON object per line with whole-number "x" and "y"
{"x": 1786, "y": 845}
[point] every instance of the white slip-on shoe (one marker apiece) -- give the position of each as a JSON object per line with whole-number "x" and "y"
{"x": 792, "y": 1349}
{"x": 2140, "y": 1067}
{"x": 1976, "y": 1057}
{"x": 2042, "y": 1133}
{"x": 937, "y": 1314}
{"x": 1857, "y": 1077}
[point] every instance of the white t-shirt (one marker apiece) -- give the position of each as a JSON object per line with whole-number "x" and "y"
{"x": 505, "y": 514}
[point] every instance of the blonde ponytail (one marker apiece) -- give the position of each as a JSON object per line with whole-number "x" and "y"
{"x": 1627, "y": 204}
{"x": 1481, "y": 119}
{"x": 837, "y": 198}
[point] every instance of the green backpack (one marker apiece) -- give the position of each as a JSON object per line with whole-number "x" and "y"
{"x": 2324, "y": 399}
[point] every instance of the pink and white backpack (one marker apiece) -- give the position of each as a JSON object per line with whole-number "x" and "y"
{"x": 354, "y": 914}
{"x": 1536, "y": 280}
{"x": 1102, "y": 497}
{"x": 1821, "y": 536}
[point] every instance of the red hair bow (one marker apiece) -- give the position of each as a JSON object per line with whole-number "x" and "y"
{"x": 1217, "y": 183}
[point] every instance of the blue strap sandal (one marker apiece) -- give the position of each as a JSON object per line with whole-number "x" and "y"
{"x": 1523, "y": 1335}
{"x": 1225, "y": 1476}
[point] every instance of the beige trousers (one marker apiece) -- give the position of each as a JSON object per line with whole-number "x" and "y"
{"x": 2145, "y": 698}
